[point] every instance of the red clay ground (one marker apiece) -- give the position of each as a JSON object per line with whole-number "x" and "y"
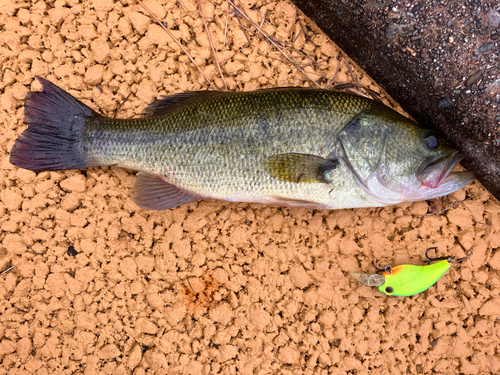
{"x": 214, "y": 287}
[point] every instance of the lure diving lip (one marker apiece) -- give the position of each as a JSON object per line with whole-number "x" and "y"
{"x": 407, "y": 279}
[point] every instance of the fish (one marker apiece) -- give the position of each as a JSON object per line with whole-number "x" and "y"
{"x": 298, "y": 147}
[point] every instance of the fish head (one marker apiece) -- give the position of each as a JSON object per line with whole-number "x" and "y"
{"x": 395, "y": 160}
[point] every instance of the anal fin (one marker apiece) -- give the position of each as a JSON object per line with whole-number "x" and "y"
{"x": 151, "y": 192}
{"x": 295, "y": 202}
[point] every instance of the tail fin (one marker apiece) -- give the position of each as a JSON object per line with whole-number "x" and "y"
{"x": 55, "y": 125}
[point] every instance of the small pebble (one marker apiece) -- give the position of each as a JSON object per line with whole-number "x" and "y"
{"x": 71, "y": 251}
{"x": 496, "y": 83}
{"x": 473, "y": 78}
{"x": 392, "y": 30}
{"x": 445, "y": 102}
{"x": 493, "y": 19}
{"x": 485, "y": 47}
{"x": 468, "y": 21}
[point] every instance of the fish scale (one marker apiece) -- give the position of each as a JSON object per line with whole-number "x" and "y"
{"x": 299, "y": 147}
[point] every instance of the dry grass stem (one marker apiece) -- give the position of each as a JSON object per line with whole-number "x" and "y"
{"x": 121, "y": 105}
{"x": 263, "y": 20}
{"x": 292, "y": 55}
{"x": 303, "y": 29}
{"x": 5, "y": 270}
{"x": 339, "y": 59}
{"x": 296, "y": 37}
{"x": 225, "y": 27}
{"x": 225, "y": 61}
{"x": 211, "y": 44}
{"x": 174, "y": 39}
{"x": 449, "y": 207}
{"x": 244, "y": 29}
{"x": 182, "y": 5}
{"x": 285, "y": 44}
{"x": 354, "y": 78}
{"x": 273, "y": 41}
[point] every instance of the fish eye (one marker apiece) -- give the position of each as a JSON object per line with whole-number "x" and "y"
{"x": 389, "y": 289}
{"x": 431, "y": 141}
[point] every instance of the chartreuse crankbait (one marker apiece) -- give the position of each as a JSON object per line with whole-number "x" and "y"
{"x": 407, "y": 279}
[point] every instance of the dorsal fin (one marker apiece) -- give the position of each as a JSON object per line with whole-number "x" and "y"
{"x": 172, "y": 102}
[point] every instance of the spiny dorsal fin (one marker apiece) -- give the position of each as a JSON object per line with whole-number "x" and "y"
{"x": 300, "y": 168}
{"x": 151, "y": 192}
{"x": 169, "y": 103}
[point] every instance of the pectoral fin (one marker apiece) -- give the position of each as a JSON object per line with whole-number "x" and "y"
{"x": 151, "y": 192}
{"x": 300, "y": 168}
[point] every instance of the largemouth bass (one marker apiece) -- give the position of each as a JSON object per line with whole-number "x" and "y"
{"x": 298, "y": 147}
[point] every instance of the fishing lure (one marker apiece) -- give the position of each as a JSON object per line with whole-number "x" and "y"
{"x": 407, "y": 279}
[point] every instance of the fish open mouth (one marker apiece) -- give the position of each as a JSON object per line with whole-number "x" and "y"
{"x": 438, "y": 172}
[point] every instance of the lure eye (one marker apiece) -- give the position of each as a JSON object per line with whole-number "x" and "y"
{"x": 431, "y": 141}
{"x": 389, "y": 289}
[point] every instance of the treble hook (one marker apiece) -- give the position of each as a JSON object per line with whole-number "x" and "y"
{"x": 386, "y": 269}
{"x": 448, "y": 258}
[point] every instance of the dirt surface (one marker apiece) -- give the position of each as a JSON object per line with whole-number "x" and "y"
{"x": 91, "y": 284}
{"x": 439, "y": 59}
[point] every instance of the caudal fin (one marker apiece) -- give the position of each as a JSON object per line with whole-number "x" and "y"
{"x": 55, "y": 125}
